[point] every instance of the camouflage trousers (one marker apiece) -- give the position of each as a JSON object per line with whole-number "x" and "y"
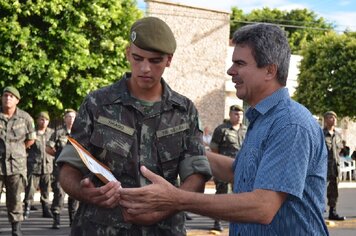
{"x": 35, "y": 180}
{"x": 15, "y": 185}
{"x": 332, "y": 191}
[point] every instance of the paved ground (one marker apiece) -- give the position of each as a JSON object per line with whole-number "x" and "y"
{"x": 198, "y": 226}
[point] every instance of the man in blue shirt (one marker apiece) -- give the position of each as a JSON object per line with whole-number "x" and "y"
{"x": 279, "y": 174}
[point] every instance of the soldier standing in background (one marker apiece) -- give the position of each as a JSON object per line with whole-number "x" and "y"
{"x": 54, "y": 147}
{"x": 17, "y": 133}
{"x": 334, "y": 144}
{"x": 227, "y": 140}
{"x": 39, "y": 167}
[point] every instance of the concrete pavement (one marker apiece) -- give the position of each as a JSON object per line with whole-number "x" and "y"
{"x": 199, "y": 226}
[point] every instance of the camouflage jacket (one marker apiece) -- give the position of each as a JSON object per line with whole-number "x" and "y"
{"x": 228, "y": 140}
{"x": 124, "y": 134}
{"x": 58, "y": 140}
{"x": 38, "y": 160}
{"x": 13, "y": 134}
{"x": 333, "y": 145}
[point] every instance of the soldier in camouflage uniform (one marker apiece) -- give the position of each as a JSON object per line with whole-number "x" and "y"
{"x": 227, "y": 139}
{"x": 334, "y": 144}
{"x": 54, "y": 147}
{"x": 39, "y": 167}
{"x": 137, "y": 121}
{"x": 17, "y": 132}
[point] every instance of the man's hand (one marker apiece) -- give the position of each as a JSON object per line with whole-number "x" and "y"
{"x": 106, "y": 196}
{"x": 158, "y": 196}
{"x": 71, "y": 180}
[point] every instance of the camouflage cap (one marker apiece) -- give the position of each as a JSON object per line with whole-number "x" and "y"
{"x": 153, "y": 34}
{"x": 12, "y": 90}
{"x": 236, "y": 108}
{"x": 44, "y": 114}
{"x": 330, "y": 113}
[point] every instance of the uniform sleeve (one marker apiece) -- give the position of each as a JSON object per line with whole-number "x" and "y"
{"x": 31, "y": 131}
{"x": 195, "y": 160}
{"x": 70, "y": 155}
{"x": 216, "y": 138}
{"x": 52, "y": 140}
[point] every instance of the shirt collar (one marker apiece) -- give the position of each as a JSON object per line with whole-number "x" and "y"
{"x": 267, "y": 104}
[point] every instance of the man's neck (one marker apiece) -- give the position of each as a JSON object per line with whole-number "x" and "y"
{"x": 330, "y": 129}
{"x": 236, "y": 126}
{"x": 9, "y": 112}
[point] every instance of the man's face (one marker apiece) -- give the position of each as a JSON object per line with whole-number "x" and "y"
{"x": 9, "y": 100}
{"x": 330, "y": 120}
{"x": 147, "y": 67}
{"x": 236, "y": 117}
{"x": 42, "y": 122}
{"x": 248, "y": 78}
{"x": 69, "y": 119}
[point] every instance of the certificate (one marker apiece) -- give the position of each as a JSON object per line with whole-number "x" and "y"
{"x": 99, "y": 169}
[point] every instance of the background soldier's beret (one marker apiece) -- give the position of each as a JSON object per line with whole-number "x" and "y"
{"x": 68, "y": 110}
{"x": 44, "y": 114}
{"x": 236, "y": 108}
{"x": 330, "y": 113}
{"x": 12, "y": 90}
{"x": 153, "y": 34}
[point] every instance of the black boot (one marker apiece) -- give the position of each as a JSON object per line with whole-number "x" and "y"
{"x": 56, "y": 221}
{"x": 26, "y": 213}
{"x": 334, "y": 216}
{"x": 16, "y": 229}
{"x": 217, "y": 226}
{"x": 46, "y": 213}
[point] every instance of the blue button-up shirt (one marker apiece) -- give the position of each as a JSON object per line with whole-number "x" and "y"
{"x": 284, "y": 151}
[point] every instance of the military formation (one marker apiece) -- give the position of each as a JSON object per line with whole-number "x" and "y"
{"x": 28, "y": 151}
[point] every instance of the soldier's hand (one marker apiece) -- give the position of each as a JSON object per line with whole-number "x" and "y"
{"x": 107, "y": 196}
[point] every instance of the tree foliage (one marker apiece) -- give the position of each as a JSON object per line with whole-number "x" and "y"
{"x": 56, "y": 51}
{"x": 301, "y": 25}
{"x": 327, "y": 75}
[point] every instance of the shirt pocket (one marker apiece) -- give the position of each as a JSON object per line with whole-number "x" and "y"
{"x": 112, "y": 140}
{"x": 18, "y": 131}
{"x": 170, "y": 150}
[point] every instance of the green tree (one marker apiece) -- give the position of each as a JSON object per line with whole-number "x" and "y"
{"x": 301, "y": 25}
{"x": 57, "y": 51}
{"x": 327, "y": 75}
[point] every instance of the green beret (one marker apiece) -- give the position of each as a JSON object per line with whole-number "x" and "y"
{"x": 153, "y": 34}
{"x": 330, "y": 113}
{"x": 236, "y": 108}
{"x": 44, "y": 114}
{"x": 12, "y": 90}
{"x": 66, "y": 111}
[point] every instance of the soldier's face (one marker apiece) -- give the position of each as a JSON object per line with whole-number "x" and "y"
{"x": 147, "y": 67}
{"x": 9, "y": 100}
{"x": 330, "y": 120}
{"x": 69, "y": 119}
{"x": 42, "y": 122}
{"x": 236, "y": 117}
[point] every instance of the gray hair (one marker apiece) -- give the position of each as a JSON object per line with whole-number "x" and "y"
{"x": 269, "y": 45}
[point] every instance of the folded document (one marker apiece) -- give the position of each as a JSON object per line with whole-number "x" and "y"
{"x": 98, "y": 168}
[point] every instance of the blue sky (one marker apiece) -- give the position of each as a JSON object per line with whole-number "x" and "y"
{"x": 341, "y": 13}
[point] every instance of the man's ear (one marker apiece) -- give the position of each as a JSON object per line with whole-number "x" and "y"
{"x": 127, "y": 52}
{"x": 271, "y": 71}
{"x": 169, "y": 61}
